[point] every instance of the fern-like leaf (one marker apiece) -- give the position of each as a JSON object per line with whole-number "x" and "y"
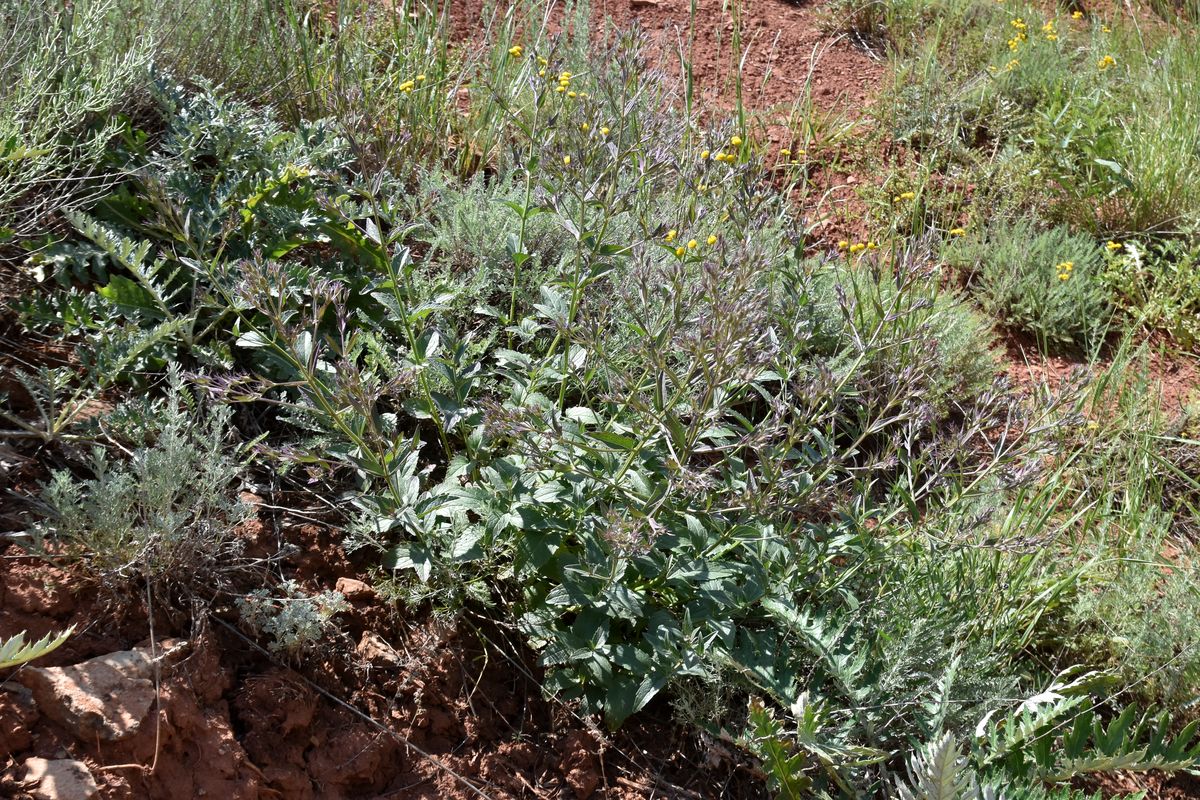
{"x": 939, "y": 772}
{"x": 16, "y": 651}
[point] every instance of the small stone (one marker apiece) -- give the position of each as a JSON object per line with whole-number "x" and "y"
{"x": 374, "y": 650}
{"x": 63, "y": 779}
{"x": 106, "y": 697}
{"x": 353, "y": 589}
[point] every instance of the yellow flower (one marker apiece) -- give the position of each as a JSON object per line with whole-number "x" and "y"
{"x": 565, "y": 76}
{"x": 1051, "y": 37}
{"x": 958, "y": 232}
{"x": 542, "y": 72}
{"x": 407, "y": 86}
{"x": 567, "y": 160}
{"x": 1018, "y": 23}
{"x": 1076, "y": 15}
{"x": 1062, "y": 276}
{"x": 703, "y": 155}
{"x": 693, "y": 244}
{"x": 572, "y": 95}
{"x": 679, "y": 251}
{"x": 785, "y": 152}
{"x": 1092, "y": 425}
{"x": 420, "y": 78}
{"x": 560, "y": 89}
{"x": 736, "y": 141}
{"x": 1106, "y": 62}
{"x": 542, "y": 61}
{"x": 671, "y": 234}
{"x": 515, "y": 51}
{"x": 1113, "y": 246}
{"x": 872, "y": 246}
{"x": 1105, "y": 29}
{"x": 855, "y": 248}
{"x": 604, "y": 131}
{"x": 702, "y": 188}
{"x": 585, "y": 127}
{"x": 712, "y": 239}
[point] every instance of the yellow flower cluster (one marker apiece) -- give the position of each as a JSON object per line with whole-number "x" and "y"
{"x": 1076, "y": 15}
{"x": 1049, "y": 32}
{"x": 727, "y": 158}
{"x": 515, "y": 51}
{"x": 1064, "y": 270}
{"x": 1020, "y": 36}
{"x": 1105, "y": 63}
{"x": 1113, "y": 246}
{"x": 564, "y": 84}
{"x": 408, "y": 86}
{"x": 904, "y": 196}
{"x": 692, "y": 244}
{"x": 858, "y": 247}
{"x": 957, "y": 231}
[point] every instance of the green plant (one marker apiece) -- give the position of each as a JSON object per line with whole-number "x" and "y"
{"x": 293, "y": 619}
{"x": 15, "y": 650}
{"x": 1157, "y": 285}
{"x": 1043, "y": 282}
{"x": 166, "y": 515}
{"x": 66, "y": 85}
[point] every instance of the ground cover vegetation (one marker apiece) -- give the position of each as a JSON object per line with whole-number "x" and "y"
{"x": 575, "y": 357}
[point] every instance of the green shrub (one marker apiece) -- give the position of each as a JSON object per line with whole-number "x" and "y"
{"x": 1047, "y": 283}
{"x": 599, "y": 393}
{"x": 167, "y": 515}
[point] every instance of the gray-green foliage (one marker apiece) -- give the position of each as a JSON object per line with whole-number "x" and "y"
{"x": 293, "y": 620}
{"x": 1142, "y": 616}
{"x": 1046, "y": 283}
{"x": 65, "y": 79}
{"x": 167, "y": 513}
